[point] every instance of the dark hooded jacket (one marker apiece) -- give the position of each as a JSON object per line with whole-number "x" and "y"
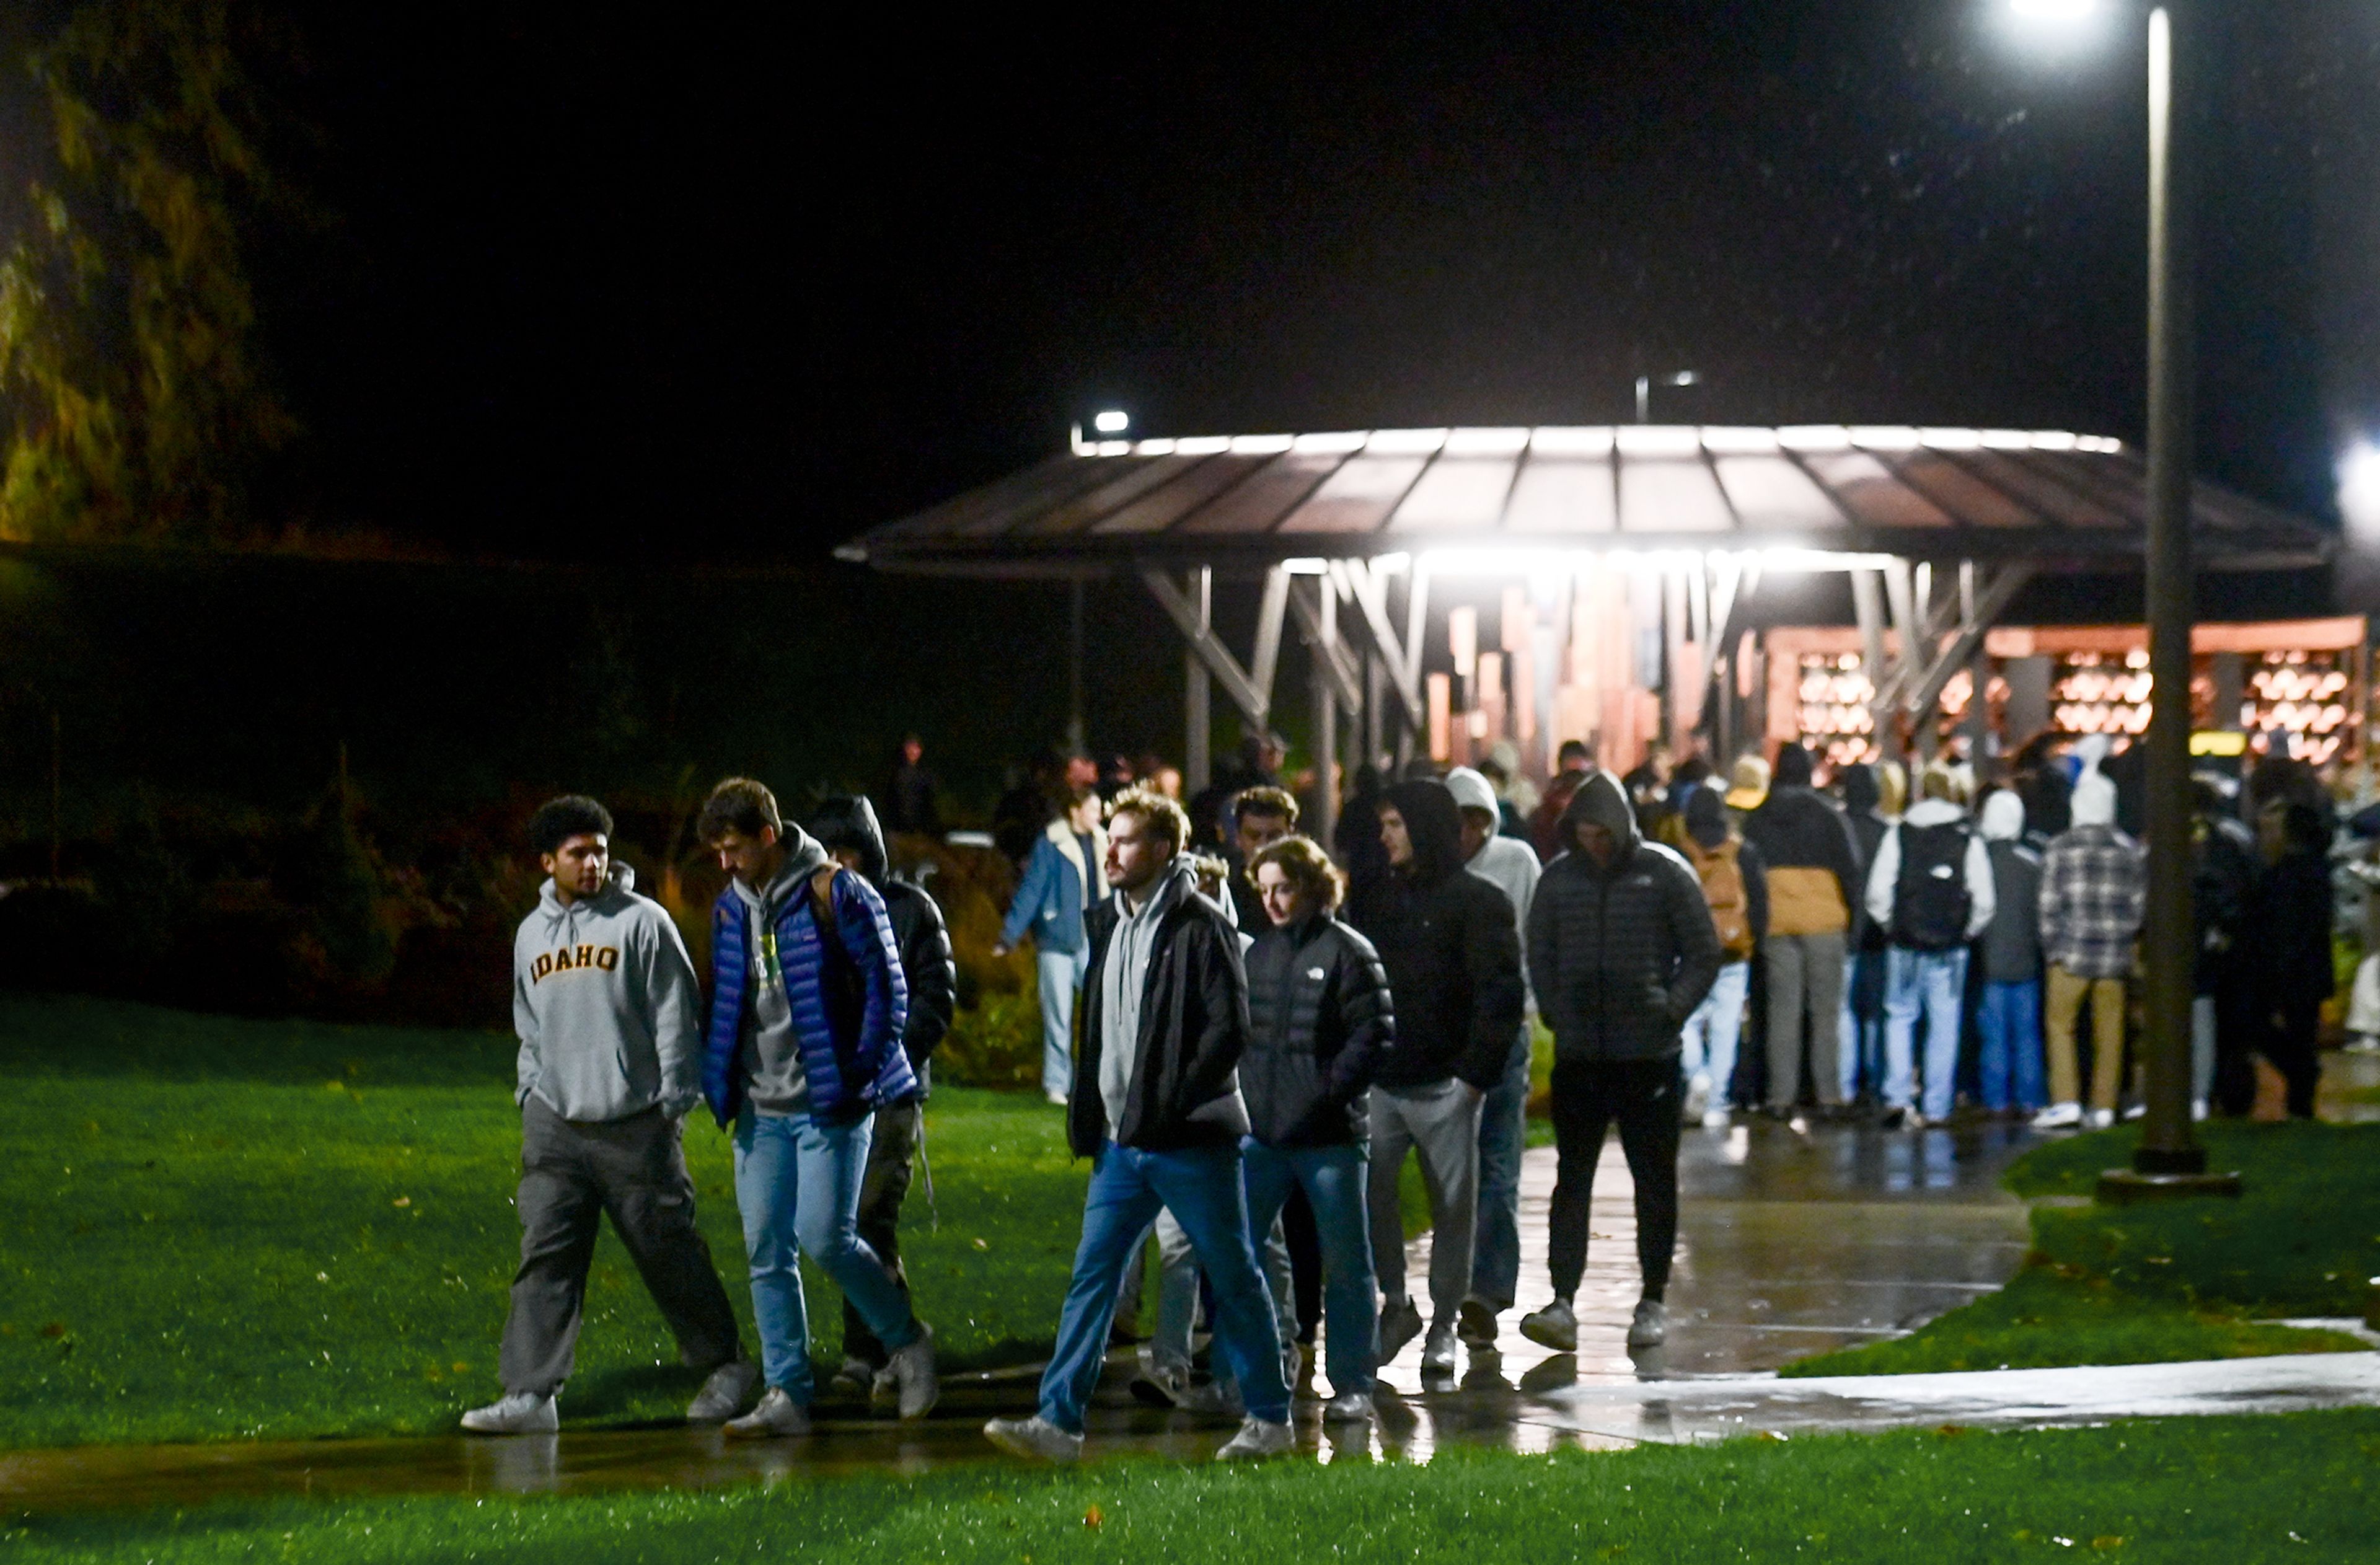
{"x": 849, "y": 821}
{"x": 1619, "y": 956}
{"x": 1318, "y": 1027}
{"x": 1861, "y": 797}
{"x": 1447, "y": 941}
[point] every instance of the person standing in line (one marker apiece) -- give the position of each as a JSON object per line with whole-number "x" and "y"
{"x": 2222, "y": 1010}
{"x": 1573, "y": 762}
{"x": 1621, "y": 950}
{"x": 1931, "y": 894}
{"x": 1735, "y": 888}
{"x": 1446, "y": 939}
{"x": 912, "y": 801}
{"x": 808, "y": 1008}
{"x": 845, "y": 826}
{"x": 1320, "y": 1024}
{"x": 1507, "y": 864}
{"x": 2093, "y": 892}
{"x": 1813, "y": 883}
{"x": 2292, "y": 916}
{"x": 1157, "y": 1108}
{"x": 1065, "y": 877}
{"x": 605, "y": 1002}
{"x": 2009, "y": 1018}
{"x": 1861, "y": 1066}
{"x": 1260, "y": 815}
{"x": 1747, "y": 788}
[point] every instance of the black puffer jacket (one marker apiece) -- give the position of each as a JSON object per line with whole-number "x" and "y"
{"x": 1446, "y": 939}
{"x": 1320, "y": 1024}
{"x": 918, "y": 928}
{"x": 1620, "y": 957}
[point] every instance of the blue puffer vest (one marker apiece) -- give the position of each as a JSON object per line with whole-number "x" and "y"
{"x": 849, "y": 1001}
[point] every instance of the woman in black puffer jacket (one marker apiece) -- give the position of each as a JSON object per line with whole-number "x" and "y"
{"x": 1320, "y": 1026}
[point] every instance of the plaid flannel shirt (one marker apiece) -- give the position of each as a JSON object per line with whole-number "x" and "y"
{"x": 2093, "y": 893}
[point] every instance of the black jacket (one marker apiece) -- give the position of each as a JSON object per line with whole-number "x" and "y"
{"x": 1620, "y": 957}
{"x": 1194, "y": 1027}
{"x": 1320, "y": 1024}
{"x": 2222, "y": 881}
{"x": 2287, "y": 944}
{"x": 923, "y": 939}
{"x": 1446, "y": 939}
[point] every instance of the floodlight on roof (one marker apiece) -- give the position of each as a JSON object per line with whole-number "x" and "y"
{"x": 1306, "y": 566}
{"x": 2359, "y": 492}
{"x": 1113, "y": 422}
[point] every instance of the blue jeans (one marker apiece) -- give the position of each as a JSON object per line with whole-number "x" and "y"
{"x": 1496, "y": 1242}
{"x": 2010, "y": 1065}
{"x": 1862, "y": 1036}
{"x": 1202, "y": 1187}
{"x": 1714, "y": 1030}
{"x": 797, "y": 1184}
{"x": 1333, "y": 1178}
{"x": 1934, "y": 983}
{"x": 1061, "y": 975}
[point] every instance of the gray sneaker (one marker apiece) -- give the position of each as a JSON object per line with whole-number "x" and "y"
{"x": 1437, "y": 1355}
{"x": 516, "y": 1413}
{"x": 912, "y": 1373}
{"x": 1651, "y": 1326}
{"x": 1353, "y": 1407}
{"x": 1554, "y": 1327}
{"x": 724, "y": 1394}
{"x": 1293, "y": 1365}
{"x": 1258, "y": 1438}
{"x": 1212, "y": 1397}
{"x": 1035, "y": 1439}
{"x": 1400, "y": 1324}
{"x": 776, "y": 1414}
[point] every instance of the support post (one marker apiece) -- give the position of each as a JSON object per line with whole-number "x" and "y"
{"x": 1325, "y": 825}
{"x": 1077, "y": 738}
{"x": 1198, "y": 739}
{"x": 1868, "y": 604}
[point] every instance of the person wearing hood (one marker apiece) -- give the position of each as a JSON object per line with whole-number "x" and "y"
{"x": 2093, "y": 893}
{"x": 1735, "y": 888}
{"x": 1573, "y": 762}
{"x": 2290, "y": 911}
{"x": 604, "y": 1002}
{"x": 1931, "y": 892}
{"x": 1063, "y": 878}
{"x": 1508, "y": 863}
{"x": 1621, "y": 951}
{"x": 809, "y": 1005}
{"x": 1157, "y": 1108}
{"x": 2010, "y": 1016}
{"x": 1862, "y": 1061}
{"x": 845, "y": 826}
{"x": 1447, "y": 939}
{"x": 1813, "y": 883}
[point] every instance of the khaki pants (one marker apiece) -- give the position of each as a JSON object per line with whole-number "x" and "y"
{"x": 2059, "y": 1009}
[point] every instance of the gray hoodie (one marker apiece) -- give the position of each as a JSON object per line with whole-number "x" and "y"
{"x": 769, "y": 1054}
{"x": 605, "y": 1004}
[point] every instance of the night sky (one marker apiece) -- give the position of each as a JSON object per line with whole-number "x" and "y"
{"x": 598, "y": 286}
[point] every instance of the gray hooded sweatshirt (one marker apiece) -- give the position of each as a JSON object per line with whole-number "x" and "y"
{"x": 770, "y": 1053}
{"x": 605, "y": 1004}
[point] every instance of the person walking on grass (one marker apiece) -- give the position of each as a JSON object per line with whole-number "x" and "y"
{"x": 845, "y": 826}
{"x": 1813, "y": 883}
{"x": 1446, "y": 939}
{"x": 604, "y": 1002}
{"x": 1063, "y": 878}
{"x": 1510, "y": 865}
{"x": 1930, "y": 892}
{"x": 1735, "y": 888}
{"x": 1621, "y": 951}
{"x": 1320, "y": 1024}
{"x": 1157, "y": 1108}
{"x": 2010, "y": 1019}
{"x": 2093, "y": 893}
{"x": 808, "y": 1008}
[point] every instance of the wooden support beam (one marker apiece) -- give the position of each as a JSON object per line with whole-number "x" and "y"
{"x": 1199, "y": 634}
{"x": 1989, "y": 603}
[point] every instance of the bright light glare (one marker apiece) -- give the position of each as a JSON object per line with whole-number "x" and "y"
{"x": 2064, "y": 11}
{"x": 2359, "y": 492}
{"x": 2054, "y": 21}
{"x": 1113, "y": 422}
{"x": 1306, "y": 567}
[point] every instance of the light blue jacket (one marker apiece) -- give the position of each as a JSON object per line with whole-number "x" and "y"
{"x": 1050, "y": 904}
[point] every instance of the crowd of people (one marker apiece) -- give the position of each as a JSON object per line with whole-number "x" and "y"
{"x": 1249, "y": 1032}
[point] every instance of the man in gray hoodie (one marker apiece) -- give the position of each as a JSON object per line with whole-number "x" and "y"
{"x": 604, "y": 1002}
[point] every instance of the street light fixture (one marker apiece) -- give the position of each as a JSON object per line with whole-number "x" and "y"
{"x": 1114, "y": 421}
{"x": 2169, "y": 1161}
{"x": 1645, "y": 385}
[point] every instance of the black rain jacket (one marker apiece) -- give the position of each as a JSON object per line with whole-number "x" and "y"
{"x": 1320, "y": 1024}
{"x": 919, "y": 931}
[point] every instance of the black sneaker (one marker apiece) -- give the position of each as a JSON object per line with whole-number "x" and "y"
{"x": 1474, "y": 1322}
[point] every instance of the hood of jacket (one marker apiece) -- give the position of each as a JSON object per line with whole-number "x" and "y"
{"x": 1933, "y": 812}
{"x": 549, "y": 900}
{"x": 2003, "y": 817}
{"x": 804, "y": 858}
{"x": 850, "y": 818}
{"x": 1860, "y": 792}
{"x": 1471, "y": 790}
{"x": 1705, "y": 818}
{"x": 1434, "y": 824}
{"x": 1602, "y": 800}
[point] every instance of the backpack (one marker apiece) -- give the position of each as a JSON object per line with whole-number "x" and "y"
{"x": 1730, "y": 906}
{"x": 1930, "y": 901}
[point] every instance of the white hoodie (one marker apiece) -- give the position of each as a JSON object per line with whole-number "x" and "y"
{"x": 1885, "y": 877}
{"x": 605, "y": 1004}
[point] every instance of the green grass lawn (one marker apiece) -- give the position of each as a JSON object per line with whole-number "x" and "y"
{"x": 2227, "y": 1491}
{"x": 2184, "y": 1279}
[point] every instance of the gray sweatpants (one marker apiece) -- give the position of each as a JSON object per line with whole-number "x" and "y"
{"x": 1441, "y": 1121}
{"x": 1805, "y": 973}
{"x": 571, "y": 1174}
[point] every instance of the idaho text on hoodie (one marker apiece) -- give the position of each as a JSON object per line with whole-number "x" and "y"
{"x": 604, "y": 1002}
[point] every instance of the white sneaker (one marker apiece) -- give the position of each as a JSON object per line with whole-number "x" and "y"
{"x": 1651, "y": 1326}
{"x": 1698, "y": 1087}
{"x": 1057, "y": 1098}
{"x": 2135, "y": 1111}
{"x": 2059, "y": 1116}
{"x": 727, "y": 1389}
{"x": 913, "y": 1372}
{"x": 1353, "y": 1407}
{"x": 516, "y": 1413}
{"x": 1439, "y": 1355}
{"x": 2198, "y": 1108}
{"x": 1400, "y": 1324}
{"x": 2100, "y": 1119}
{"x": 1258, "y": 1438}
{"x": 1555, "y": 1327}
{"x": 1035, "y": 1439}
{"x": 776, "y": 1414}
{"x": 1716, "y": 1117}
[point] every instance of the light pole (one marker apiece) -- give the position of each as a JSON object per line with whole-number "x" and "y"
{"x": 1645, "y": 385}
{"x": 2169, "y": 1161}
